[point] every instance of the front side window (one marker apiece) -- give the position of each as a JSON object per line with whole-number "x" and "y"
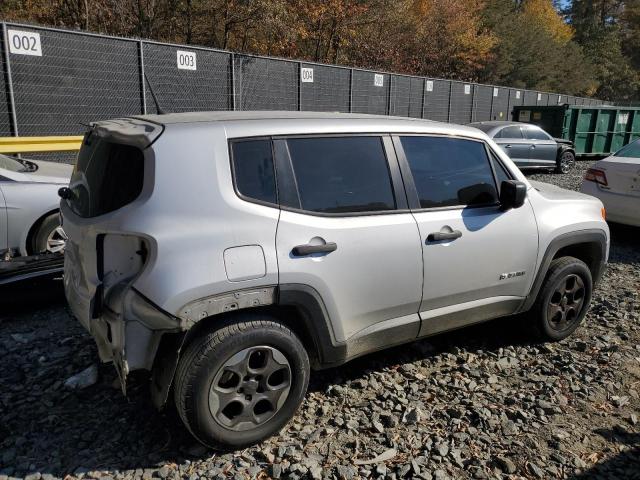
{"x": 450, "y": 171}
{"x": 510, "y": 132}
{"x": 535, "y": 133}
{"x": 341, "y": 174}
{"x": 253, "y": 170}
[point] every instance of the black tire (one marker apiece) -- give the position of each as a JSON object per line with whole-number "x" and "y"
{"x": 566, "y": 161}
{"x": 41, "y": 234}
{"x": 556, "y": 316}
{"x": 205, "y": 360}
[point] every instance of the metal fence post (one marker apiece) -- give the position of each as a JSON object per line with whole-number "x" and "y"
{"x": 473, "y": 102}
{"x": 143, "y": 86}
{"x": 390, "y": 93}
{"x": 424, "y": 97}
{"x": 351, "y": 90}
{"x": 12, "y": 100}
{"x": 299, "y": 86}
{"x": 232, "y": 73}
{"x": 449, "y": 106}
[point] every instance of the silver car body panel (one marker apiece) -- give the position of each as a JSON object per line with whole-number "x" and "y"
{"x": 371, "y": 287}
{"x": 28, "y": 197}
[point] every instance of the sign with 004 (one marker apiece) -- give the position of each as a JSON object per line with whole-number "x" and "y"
{"x": 186, "y": 60}
{"x": 24, "y": 43}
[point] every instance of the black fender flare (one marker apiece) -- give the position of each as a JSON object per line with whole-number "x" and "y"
{"x": 589, "y": 236}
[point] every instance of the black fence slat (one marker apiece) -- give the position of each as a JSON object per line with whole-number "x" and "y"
{"x": 78, "y": 79}
{"x": 207, "y": 87}
{"x": 5, "y": 112}
{"x": 461, "y": 102}
{"x": 367, "y": 96}
{"x": 329, "y": 90}
{"x": 500, "y": 104}
{"x": 406, "y": 96}
{"x": 265, "y": 84}
{"x": 482, "y": 99}
{"x": 436, "y": 99}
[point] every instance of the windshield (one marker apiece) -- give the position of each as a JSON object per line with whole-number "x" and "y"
{"x": 12, "y": 164}
{"x": 632, "y": 150}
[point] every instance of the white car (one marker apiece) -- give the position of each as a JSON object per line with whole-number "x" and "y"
{"x": 29, "y": 206}
{"x": 615, "y": 180}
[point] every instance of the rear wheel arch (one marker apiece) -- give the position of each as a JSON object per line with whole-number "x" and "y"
{"x": 298, "y": 307}
{"x": 33, "y": 230}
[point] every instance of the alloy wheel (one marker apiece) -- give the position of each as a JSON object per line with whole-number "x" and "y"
{"x": 566, "y": 302}
{"x": 566, "y": 162}
{"x": 56, "y": 240}
{"x": 250, "y": 388}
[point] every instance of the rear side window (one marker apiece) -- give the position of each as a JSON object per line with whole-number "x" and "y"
{"x": 534, "y": 133}
{"x": 253, "y": 170}
{"x": 509, "y": 132}
{"x": 341, "y": 174}
{"x": 630, "y": 151}
{"x": 107, "y": 176}
{"x": 450, "y": 171}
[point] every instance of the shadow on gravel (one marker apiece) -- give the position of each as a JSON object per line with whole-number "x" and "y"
{"x": 625, "y": 465}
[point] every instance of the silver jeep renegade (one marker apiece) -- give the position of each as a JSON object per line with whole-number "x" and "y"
{"x": 229, "y": 253}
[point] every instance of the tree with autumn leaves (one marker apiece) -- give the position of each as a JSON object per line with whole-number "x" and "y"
{"x": 579, "y": 47}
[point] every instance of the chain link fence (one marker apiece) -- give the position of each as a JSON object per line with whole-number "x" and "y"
{"x": 56, "y": 81}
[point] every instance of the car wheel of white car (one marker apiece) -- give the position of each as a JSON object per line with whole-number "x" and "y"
{"x": 49, "y": 236}
{"x": 565, "y": 162}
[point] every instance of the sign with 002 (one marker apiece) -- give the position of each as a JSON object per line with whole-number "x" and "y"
{"x": 186, "y": 60}
{"x": 24, "y": 43}
{"x": 378, "y": 80}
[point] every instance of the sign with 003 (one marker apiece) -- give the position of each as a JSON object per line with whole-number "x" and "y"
{"x": 24, "y": 43}
{"x": 186, "y": 60}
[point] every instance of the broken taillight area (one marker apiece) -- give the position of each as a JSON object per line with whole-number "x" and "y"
{"x": 596, "y": 175}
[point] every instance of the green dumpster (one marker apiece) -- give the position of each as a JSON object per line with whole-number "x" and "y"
{"x": 595, "y": 130}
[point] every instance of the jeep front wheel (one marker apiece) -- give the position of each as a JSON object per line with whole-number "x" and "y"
{"x": 563, "y": 299}
{"x": 241, "y": 383}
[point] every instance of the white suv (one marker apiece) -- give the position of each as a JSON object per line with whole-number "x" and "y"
{"x": 230, "y": 252}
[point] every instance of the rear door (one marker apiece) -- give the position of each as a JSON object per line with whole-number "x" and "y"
{"x": 346, "y": 232}
{"x": 543, "y": 149}
{"x": 512, "y": 141}
{"x": 478, "y": 259}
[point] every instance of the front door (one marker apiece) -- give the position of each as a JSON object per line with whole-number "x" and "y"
{"x": 478, "y": 260}
{"x": 341, "y": 232}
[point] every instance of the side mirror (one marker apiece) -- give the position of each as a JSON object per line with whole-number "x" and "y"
{"x": 512, "y": 194}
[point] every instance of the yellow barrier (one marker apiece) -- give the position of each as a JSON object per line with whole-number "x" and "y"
{"x": 40, "y": 144}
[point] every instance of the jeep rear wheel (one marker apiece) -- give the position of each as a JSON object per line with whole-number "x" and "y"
{"x": 241, "y": 383}
{"x": 563, "y": 299}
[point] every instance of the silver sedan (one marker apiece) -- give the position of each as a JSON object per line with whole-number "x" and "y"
{"x": 29, "y": 204}
{"x": 529, "y": 146}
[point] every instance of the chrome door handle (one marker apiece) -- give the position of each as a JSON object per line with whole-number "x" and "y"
{"x": 302, "y": 250}
{"x": 507, "y": 146}
{"x": 439, "y": 236}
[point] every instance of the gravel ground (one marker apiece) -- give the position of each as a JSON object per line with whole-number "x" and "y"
{"x": 482, "y": 402}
